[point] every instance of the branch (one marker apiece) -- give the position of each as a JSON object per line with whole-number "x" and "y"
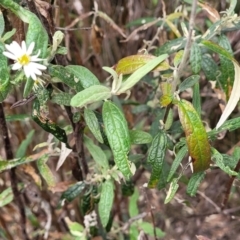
{"x": 13, "y": 176}
{"x": 187, "y": 49}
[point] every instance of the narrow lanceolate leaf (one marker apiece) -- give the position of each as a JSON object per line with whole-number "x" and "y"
{"x": 197, "y": 98}
{"x": 218, "y": 49}
{"x": 188, "y": 83}
{"x": 171, "y": 46}
{"x": 140, "y": 137}
{"x": 226, "y": 77}
{"x": 73, "y": 191}
{"x": 96, "y": 152}
{"x": 195, "y": 58}
{"x": 234, "y": 97}
{"x": 93, "y": 124}
{"x": 141, "y": 72}
{"x": 116, "y": 129}
{"x": 178, "y": 159}
{"x": 62, "y": 98}
{"x": 45, "y": 171}
{"x": 156, "y": 157}
{"x": 130, "y": 64}
{"x": 89, "y": 95}
{"x": 209, "y": 67}
{"x": 106, "y": 202}
{"x": 172, "y": 190}
{"x": 2, "y": 24}
{"x": 218, "y": 159}
{"x": 194, "y": 182}
{"x": 83, "y": 75}
{"x": 65, "y": 76}
{"x": 4, "y": 75}
{"x": 196, "y": 136}
{"x": 167, "y": 95}
{"x": 21, "y": 151}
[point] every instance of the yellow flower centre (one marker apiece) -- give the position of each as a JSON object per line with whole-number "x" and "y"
{"x": 24, "y": 59}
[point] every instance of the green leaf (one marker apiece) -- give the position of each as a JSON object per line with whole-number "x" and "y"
{"x": 17, "y": 117}
{"x": 188, "y": 83}
{"x": 21, "y": 151}
{"x": 234, "y": 98}
{"x": 196, "y": 136}
{"x": 106, "y": 202}
{"x": 6, "y": 196}
{"x": 209, "y": 67}
{"x": 130, "y": 64}
{"x": 47, "y": 124}
{"x": 172, "y": 190}
{"x": 162, "y": 183}
{"x": 218, "y": 159}
{"x": 73, "y": 191}
{"x": 156, "y": 157}
{"x": 226, "y": 67}
{"x": 96, "y": 152}
{"x": 89, "y": 95}
{"x": 141, "y": 72}
{"x": 169, "y": 121}
{"x": 28, "y": 87}
{"x": 178, "y": 159}
{"x": 8, "y": 35}
{"x": 140, "y": 137}
{"x": 195, "y": 58}
{"x": 2, "y": 24}
{"x": 148, "y": 228}
{"x": 194, "y": 182}
{"x": 197, "y": 99}
{"x": 36, "y": 33}
{"x": 76, "y": 229}
{"x": 45, "y": 171}
{"x": 218, "y": 49}
{"x": 62, "y": 98}
{"x": 133, "y": 207}
{"x": 65, "y": 76}
{"x": 116, "y": 129}
{"x": 83, "y": 75}
{"x": 93, "y": 124}
{"x": 171, "y": 46}
{"x": 178, "y": 58}
{"x": 229, "y": 125}
{"x": 4, "y": 75}
{"x": 6, "y": 165}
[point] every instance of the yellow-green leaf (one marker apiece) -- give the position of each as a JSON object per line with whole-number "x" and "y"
{"x": 196, "y": 136}
{"x": 130, "y": 64}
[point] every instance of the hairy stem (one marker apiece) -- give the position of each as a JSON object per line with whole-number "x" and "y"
{"x": 187, "y": 49}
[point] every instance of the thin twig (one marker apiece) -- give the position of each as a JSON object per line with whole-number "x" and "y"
{"x": 13, "y": 176}
{"x": 229, "y": 186}
{"x": 187, "y": 49}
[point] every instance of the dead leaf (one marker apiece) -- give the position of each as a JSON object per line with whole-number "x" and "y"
{"x": 212, "y": 12}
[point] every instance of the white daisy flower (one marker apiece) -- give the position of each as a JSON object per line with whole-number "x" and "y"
{"x": 23, "y": 59}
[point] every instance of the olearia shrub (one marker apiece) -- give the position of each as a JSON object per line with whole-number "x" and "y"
{"x": 97, "y": 134}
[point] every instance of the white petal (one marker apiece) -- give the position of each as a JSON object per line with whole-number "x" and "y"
{"x": 10, "y": 55}
{"x": 27, "y": 71}
{"x": 37, "y": 65}
{"x": 35, "y": 59}
{"x": 30, "y": 48}
{"x": 15, "y": 48}
{"x": 37, "y": 72}
{"x": 16, "y": 66}
{"x": 34, "y": 77}
{"x": 24, "y": 48}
